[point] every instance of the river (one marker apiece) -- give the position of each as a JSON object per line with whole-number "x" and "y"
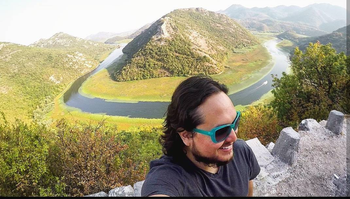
{"x": 141, "y": 109}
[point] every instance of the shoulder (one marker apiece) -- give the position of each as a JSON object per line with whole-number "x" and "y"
{"x": 165, "y": 164}
{"x": 245, "y": 157}
{"x": 241, "y": 144}
{"x": 164, "y": 177}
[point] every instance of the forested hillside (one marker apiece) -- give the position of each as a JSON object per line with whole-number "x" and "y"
{"x": 32, "y": 76}
{"x": 337, "y": 39}
{"x": 184, "y": 42}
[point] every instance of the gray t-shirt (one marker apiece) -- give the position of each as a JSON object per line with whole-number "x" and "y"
{"x": 183, "y": 178}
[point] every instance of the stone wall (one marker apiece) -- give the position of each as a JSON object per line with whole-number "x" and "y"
{"x": 282, "y": 160}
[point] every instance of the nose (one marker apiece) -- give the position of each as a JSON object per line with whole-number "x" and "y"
{"x": 233, "y": 136}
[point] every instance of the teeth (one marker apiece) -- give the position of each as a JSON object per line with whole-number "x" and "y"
{"x": 226, "y": 147}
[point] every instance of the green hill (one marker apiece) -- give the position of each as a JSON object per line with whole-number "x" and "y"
{"x": 338, "y": 39}
{"x": 184, "y": 42}
{"x": 32, "y": 76}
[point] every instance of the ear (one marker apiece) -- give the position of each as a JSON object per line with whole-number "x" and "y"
{"x": 186, "y": 137}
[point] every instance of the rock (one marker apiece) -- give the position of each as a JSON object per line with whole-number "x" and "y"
{"x": 121, "y": 191}
{"x": 99, "y": 194}
{"x": 303, "y": 126}
{"x": 335, "y": 122}
{"x": 263, "y": 156}
{"x": 340, "y": 184}
{"x": 270, "y": 146}
{"x": 138, "y": 187}
{"x": 309, "y": 125}
{"x": 323, "y": 123}
{"x": 287, "y": 145}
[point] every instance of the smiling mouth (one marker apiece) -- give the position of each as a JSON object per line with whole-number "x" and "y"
{"x": 227, "y": 147}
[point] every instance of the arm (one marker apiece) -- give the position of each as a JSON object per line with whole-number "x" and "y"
{"x": 250, "y": 188}
{"x": 159, "y": 195}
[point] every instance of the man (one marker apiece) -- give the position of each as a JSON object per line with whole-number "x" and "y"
{"x": 202, "y": 155}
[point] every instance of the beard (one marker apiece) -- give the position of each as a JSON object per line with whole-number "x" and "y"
{"x": 209, "y": 161}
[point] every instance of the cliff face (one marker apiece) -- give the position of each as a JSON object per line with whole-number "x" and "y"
{"x": 312, "y": 161}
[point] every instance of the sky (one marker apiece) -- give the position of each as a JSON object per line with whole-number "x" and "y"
{"x": 26, "y": 21}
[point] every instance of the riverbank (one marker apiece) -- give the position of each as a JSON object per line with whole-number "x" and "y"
{"x": 166, "y": 86}
{"x": 74, "y": 115}
{"x": 247, "y": 67}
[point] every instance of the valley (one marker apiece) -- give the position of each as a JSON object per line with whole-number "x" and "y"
{"x": 238, "y": 67}
{"x": 84, "y": 115}
{"x": 136, "y": 108}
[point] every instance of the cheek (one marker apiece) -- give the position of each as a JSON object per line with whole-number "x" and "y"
{"x": 205, "y": 144}
{"x": 203, "y": 140}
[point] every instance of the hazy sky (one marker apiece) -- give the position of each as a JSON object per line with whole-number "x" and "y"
{"x": 26, "y": 21}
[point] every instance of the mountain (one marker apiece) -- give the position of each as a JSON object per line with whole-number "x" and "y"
{"x": 131, "y": 35}
{"x": 338, "y": 39}
{"x": 67, "y": 42}
{"x": 31, "y": 76}
{"x": 312, "y": 20}
{"x": 103, "y": 36}
{"x": 318, "y": 14}
{"x": 184, "y": 42}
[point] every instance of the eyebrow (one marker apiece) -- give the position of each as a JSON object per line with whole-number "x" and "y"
{"x": 228, "y": 123}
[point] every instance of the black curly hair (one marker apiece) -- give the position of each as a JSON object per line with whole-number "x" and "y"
{"x": 182, "y": 111}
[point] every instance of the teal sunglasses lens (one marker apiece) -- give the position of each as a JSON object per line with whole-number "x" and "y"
{"x": 223, "y": 133}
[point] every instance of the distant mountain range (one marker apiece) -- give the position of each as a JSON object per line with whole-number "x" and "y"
{"x": 117, "y": 38}
{"x": 312, "y": 20}
{"x": 184, "y": 42}
{"x": 113, "y": 38}
{"x": 338, "y": 39}
{"x": 103, "y": 36}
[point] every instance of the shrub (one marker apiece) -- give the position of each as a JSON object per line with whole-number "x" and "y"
{"x": 261, "y": 122}
{"x": 23, "y": 166}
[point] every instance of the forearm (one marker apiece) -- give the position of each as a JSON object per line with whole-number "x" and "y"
{"x": 250, "y": 188}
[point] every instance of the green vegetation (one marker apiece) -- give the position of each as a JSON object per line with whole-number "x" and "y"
{"x": 72, "y": 160}
{"x": 246, "y": 67}
{"x": 192, "y": 41}
{"x": 337, "y": 38}
{"x": 32, "y": 76}
{"x": 286, "y": 45}
{"x": 259, "y": 121}
{"x": 55, "y": 150}
{"x": 319, "y": 83}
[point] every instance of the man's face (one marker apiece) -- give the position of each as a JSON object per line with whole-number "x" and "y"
{"x": 216, "y": 110}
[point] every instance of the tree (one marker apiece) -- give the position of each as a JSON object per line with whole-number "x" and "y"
{"x": 319, "y": 83}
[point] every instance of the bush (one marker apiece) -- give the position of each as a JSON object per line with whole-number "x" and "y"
{"x": 261, "y": 122}
{"x": 72, "y": 160}
{"x": 24, "y": 150}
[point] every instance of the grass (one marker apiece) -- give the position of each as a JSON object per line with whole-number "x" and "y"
{"x": 246, "y": 68}
{"x": 286, "y": 45}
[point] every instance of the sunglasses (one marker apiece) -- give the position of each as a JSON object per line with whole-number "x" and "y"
{"x": 220, "y": 133}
